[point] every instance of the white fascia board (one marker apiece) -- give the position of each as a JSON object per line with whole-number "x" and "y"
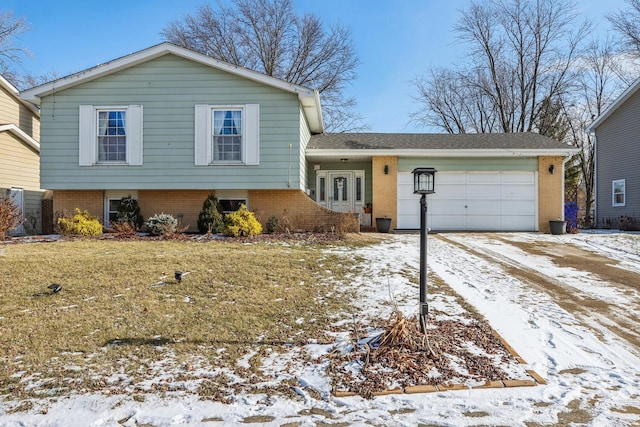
{"x": 633, "y": 88}
{"x": 16, "y": 94}
{"x": 319, "y": 153}
{"x": 25, "y": 137}
{"x": 313, "y": 112}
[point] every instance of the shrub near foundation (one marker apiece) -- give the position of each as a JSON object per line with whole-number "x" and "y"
{"x": 241, "y": 223}
{"x": 10, "y": 216}
{"x": 82, "y": 223}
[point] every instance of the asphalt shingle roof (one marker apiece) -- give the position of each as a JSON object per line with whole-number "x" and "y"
{"x": 433, "y": 141}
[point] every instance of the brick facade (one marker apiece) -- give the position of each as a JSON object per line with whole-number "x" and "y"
{"x": 385, "y": 188}
{"x": 66, "y": 201}
{"x": 550, "y": 191}
{"x": 294, "y": 210}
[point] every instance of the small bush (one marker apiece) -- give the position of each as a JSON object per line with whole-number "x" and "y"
{"x": 10, "y": 216}
{"x": 272, "y": 224}
{"x": 241, "y": 223}
{"x": 210, "y": 219}
{"x": 129, "y": 213}
{"x": 82, "y": 223}
{"x": 162, "y": 224}
{"x": 124, "y": 229}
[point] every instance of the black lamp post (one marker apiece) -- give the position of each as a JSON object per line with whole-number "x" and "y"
{"x": 423, "y": 183}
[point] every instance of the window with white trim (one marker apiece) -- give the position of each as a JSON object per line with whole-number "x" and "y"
{"x": 227, "y": 134}
{"x": 110, "y": 135}
{"x": 619, "y": 192}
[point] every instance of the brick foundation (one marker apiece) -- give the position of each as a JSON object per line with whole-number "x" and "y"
{"x": 294, "y": 210}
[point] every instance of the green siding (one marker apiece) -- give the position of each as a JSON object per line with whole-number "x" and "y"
{"x": 169, "y": 87}
{"x": 481, "y": 164}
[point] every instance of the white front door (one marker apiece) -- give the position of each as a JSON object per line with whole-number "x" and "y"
{"x": 17, "y": 195}
{"x": 341, "y": 191}
{"x": 340, "y": 197}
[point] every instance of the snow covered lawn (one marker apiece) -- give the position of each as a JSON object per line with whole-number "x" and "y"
{"x": 574, "y": 322}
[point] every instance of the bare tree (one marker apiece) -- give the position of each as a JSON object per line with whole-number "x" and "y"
{"x": 627, "y": 24}
{"x": 520, "y": 56}
{"x": 10, "y": 54}
{"x": 269, "y": 37}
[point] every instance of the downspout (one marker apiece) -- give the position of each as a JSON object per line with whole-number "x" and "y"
{"x": 595, "y": 181}
{"x": 289, "y": 173}
{"x": 564, "y": 162}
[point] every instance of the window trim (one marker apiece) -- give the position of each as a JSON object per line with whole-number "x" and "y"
{"x": 623, "y": 192}
{"x": 250, "y": 155}
{"x": 243, "y": 145}
{"x": 97, "y": 111}
{"x": 88, "y": 135}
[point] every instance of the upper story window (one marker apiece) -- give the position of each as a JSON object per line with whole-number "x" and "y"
{"x": 227, "y": 134}
{"x": 619, "y": 192}
{"x": 110, "y": 135}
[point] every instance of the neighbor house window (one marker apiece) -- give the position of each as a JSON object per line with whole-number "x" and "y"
{"x": 110, "y": 135}
{"x": 619, "y": 192}
{"x": 227, "y": 134}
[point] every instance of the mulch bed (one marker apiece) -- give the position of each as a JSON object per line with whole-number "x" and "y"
{"x": 452, "y": 352}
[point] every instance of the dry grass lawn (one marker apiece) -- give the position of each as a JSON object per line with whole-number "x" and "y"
{"x": 114, "y": 326}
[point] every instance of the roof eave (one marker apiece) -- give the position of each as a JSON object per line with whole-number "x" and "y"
{"x": 25, "y": 137}
{"x": 313, "y": 112}
{"x": 479, "y": 152}
{"x": 633, "y": 88}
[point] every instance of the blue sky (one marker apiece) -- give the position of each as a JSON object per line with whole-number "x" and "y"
{"x": 396, "y": 40}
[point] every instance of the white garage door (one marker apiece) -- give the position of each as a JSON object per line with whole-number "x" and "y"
{"x": 501, "y": 201}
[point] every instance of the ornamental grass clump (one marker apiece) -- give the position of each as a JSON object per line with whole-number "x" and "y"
{"x": 241, "y": 223}
{"x": 82, "y": 223}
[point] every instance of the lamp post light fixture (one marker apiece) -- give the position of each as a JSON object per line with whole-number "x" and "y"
{"x": 423, "y": 184}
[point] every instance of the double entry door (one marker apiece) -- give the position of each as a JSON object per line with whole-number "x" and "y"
{"x": 341, "y": 190}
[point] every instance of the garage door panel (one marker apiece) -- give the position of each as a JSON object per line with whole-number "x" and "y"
{"x": 518, "y": 178}
{"x": 517, "y": 192}
{"x": 479, "y": 178}
{"x": 445, "y": 207}
{"x": 449, "y": 191}
{"x": 478, "y": 192}
{"x": 517, "y": 207}
{"x": 517, "y": 223}
{"x": 483, "y": 222}
{"x": 472, "y": 201}
{"x": 445, "y": 222}
{"x": 483, "y": 207}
